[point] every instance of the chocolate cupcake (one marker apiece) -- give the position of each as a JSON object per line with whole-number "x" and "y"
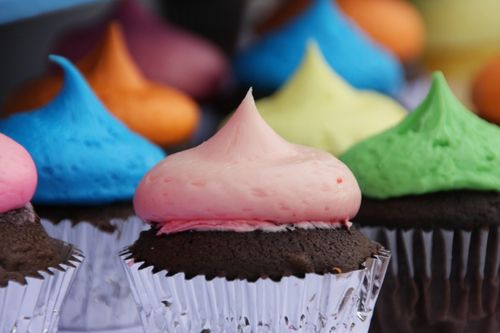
{"x": 431, "y": 188}
{"x": 252, "y": 233}
{"x": 35, "y": 270}
{"x": 89, "y": 166}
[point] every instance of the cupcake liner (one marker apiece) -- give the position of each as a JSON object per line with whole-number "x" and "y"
{"x": 439, "y": 280}
{"x": 100, "y": 298}
{"x": 34, "y": 307}
{"x": 315, "y": 303}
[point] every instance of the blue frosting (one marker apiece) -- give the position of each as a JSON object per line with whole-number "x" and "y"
{"x": 83, "y": 154}
{"x": 268, "y": 63}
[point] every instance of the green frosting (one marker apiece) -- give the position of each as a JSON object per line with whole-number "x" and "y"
{"x": 440, "y": 146}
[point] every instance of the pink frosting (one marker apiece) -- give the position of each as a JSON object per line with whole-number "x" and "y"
{"x": 18, "y": 176}
{"x": 247, "y": 177}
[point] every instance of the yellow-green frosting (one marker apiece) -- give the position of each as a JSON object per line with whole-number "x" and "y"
{"x": 441, "y": 146}
{"x": 317, "y": 108}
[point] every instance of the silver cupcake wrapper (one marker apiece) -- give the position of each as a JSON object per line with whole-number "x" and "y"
{"x": 315, "y": 303}
{"x": 440, "y": 277}
{"x": 34, "y": 307}
{"x": 100, "y": 299}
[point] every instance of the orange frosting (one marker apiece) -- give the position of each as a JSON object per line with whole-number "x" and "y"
{"x": 395, "y": 24}
{"x": 486, "y": 91}
{"x": 162, "y": 114}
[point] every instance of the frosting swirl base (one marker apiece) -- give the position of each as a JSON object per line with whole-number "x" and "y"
{"x": 246, "y": 225}
{"x": 252, "y": 255}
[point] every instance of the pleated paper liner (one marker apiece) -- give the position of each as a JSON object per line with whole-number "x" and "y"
{"x": 315, "y": 303}
{"x": 439, "y": 281}
{"x": 34, "y": 307}
{"x": 100, "y": 299}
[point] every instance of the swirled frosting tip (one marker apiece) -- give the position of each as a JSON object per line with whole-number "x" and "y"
{"x": 247, "y": 177}
{"x": 18, "y": 175}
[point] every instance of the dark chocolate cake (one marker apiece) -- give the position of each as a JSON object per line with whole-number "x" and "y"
{"x": 25, "y": 247}
{"x": 252, "y": 255}
{"x": 450, "y": 210}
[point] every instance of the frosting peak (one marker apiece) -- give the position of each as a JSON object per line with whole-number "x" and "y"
{"x": 246, "y": 136}
{"x": 83, "y": 154}
{"x": 110, "y": 64}
{"x": 441, "y": 146}
{"x": 17, "y": 175}
{"x": 246, "y": 177}
{"x": 318, "y": 108}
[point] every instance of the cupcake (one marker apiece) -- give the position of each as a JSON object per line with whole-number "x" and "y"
{"x": 35, "y": 270}
{"x": 157, "y": 112}
{"x": 486, "y": 91}
{"x": 268, "y": 62}
{"x": 258, "y": 229}
{"x": 89, "y": 165}
{"x": 318, "y": 108}
{"x": 165, "y": 53}
{"x": 431, "y": 188}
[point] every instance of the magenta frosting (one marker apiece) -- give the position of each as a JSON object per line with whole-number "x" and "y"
{"x": 247, "y": 177}
{"x": 18, "y": 175}
{"x": 164, "y": 52}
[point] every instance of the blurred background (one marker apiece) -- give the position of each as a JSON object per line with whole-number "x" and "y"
{"x": 459, "y": 36}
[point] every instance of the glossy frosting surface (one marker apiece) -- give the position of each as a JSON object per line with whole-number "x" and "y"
{"x": 247, "y": 177}
{"x": 83, "y": 154}
{"x": 269, "y": 62}
{"x": 441, "y": 146}
{"x": 318, "y": 108}
{"x": 18, "y": 176}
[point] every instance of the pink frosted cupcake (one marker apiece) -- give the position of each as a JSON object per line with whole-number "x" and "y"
{"x": 252, "y": 233}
